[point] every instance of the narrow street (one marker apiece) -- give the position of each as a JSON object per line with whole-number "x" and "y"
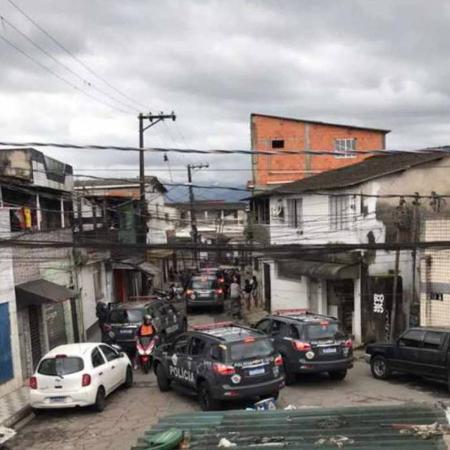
{"x": 130, "y": 412}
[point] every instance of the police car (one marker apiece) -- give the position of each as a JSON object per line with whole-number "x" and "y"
{"x": 308, "y": 343}
{"x": 221, "y": 361}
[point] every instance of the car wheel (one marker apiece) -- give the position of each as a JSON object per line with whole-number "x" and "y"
{"x": 289, "y": 376}
{"x": 379, "y": 367}
{"x": 100, "y": 400}
{"x": 38, "y": 411}
{"x": 161, "y": 377}
{"x": 207, "y": 402}
{"x": 338, "y": 374}
{"x": 128, "y": 378}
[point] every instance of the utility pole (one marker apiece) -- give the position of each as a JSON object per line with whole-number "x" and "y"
{"x": 413, "y": 307}
{"x": 398, "y": 222}
{"x": 194, "y": 229}
{"x": 153, "y": 119}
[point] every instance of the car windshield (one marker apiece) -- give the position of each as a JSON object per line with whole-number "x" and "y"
{"x": 253, "y": 349}
{"x": 202, "y": 283}
{"x": 60, "y": 366}
{"x": 324, "y": 330}
{"x": 126, "y": 315}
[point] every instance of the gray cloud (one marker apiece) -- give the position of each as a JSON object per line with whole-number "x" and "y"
{"x": 381, "y": 64}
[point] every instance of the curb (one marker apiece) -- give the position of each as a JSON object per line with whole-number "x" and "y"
{"x": 17, "y": 417}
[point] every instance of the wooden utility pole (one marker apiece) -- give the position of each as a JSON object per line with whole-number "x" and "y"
{"x": 154, "y": 119}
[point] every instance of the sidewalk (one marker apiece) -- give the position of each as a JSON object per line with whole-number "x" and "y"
{"x": 14, "y": 407}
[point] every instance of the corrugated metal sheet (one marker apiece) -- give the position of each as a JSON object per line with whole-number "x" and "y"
{"x": 367, "y": 427}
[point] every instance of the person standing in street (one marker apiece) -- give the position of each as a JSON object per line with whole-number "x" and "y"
{"x": 101, "y": 311}
{"x": 254, "y": 294}
{"x": 247, "y": 293}
{"x": 235, "y": 298}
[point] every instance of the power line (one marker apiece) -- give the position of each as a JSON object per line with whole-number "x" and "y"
{"x": 73, "y": 56}
{"x": 61, "y": 78}
{"x": 66, "y": 67}
{"x": 431, "y": 150}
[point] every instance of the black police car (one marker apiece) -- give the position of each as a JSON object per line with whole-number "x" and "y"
{"x": 205, "y": 290}
{"x": 308, "y": 343}
{"x": 124, "y": 319}
{"x": 221, "y": 361}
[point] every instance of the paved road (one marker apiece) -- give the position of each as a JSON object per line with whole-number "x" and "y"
{"x": 130, "y": 412}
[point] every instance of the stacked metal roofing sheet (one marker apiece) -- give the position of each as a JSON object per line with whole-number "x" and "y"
{"x": 309, "y": 428}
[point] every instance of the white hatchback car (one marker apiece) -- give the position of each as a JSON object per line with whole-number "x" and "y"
{"x": 79, "y": 375}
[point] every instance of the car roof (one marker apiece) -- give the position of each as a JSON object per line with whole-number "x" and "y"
{"x": 233, "y": 333}
{"x": 130, "y": 305}
{"x": 306, "y": 317}
{"x": 438, "y": 329}
{"x": 72, "y": 349}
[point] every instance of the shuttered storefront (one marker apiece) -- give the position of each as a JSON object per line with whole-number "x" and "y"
{"x": 56, "y": 325}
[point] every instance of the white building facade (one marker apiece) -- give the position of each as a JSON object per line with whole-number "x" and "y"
{"x": 349, "y": 206}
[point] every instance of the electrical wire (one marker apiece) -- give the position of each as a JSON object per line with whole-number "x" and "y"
{"x": 61, "y": 78}
{"x": 66, "y": 67}
{"x": 73, "y": 56}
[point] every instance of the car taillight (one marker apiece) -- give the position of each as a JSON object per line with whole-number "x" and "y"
{"x": 301, "y": 346}
{"x": 85, "y": 380}
{"x": 278, "y": 361}
{"x": 107, "y": 328}
{"x": 189, "y": 292}
{"x": 348, "y": 343}
{"x": 219, "y": 291}
{"x": 33, "y": 383}
{"x": 223, "y": 369}
{"x": 221, "y": 280}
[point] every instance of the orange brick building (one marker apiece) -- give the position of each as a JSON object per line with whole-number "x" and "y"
{"x": 279, "y": 134}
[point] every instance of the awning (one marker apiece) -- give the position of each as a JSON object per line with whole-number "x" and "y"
{"x": 137, "y": 264}
{"x": 149, "y": 268}
{"x": 317, "y": 269}
{"x": 41, "y": 291}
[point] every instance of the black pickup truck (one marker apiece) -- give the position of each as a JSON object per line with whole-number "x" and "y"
{"x": 422, "y": 351}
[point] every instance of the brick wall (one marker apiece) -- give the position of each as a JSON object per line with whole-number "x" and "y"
{"x": 302, "y": 135}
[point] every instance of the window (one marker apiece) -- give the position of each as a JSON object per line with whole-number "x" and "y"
{"x": 97, "y": 358}
{"x": 344, "y": 147}
{"x": 412, "y": 338}
{"x": 293, "y": 332}
{"x": 60, "y": 365}
{"x": 278, "y": 143}
{"x": 295, "y": 212}
{"x": 181, "y": 344}
{"x": 323, "y": 330}
{"x": 256, "y": 349}
{"x": 436, "y": 296}
{"x": 339, "y": 212}
{"x": 276, "y": 327}
{"x": 432, "y": 340}
{"x": 110, "y": 354}
{"x": 197, "y": 346}
{"x": 126, "y": 316}
{"x": 264, "y": 326}
{"x": 217, "y": 353}
{"x": 98, "y": 282}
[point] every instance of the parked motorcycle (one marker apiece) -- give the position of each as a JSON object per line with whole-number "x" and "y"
{"x": 144, "y": 350}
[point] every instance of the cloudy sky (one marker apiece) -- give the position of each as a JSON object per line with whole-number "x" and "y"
{"x": 380, "y": 63}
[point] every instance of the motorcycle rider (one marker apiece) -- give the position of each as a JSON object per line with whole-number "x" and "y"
{"x": 146, "y": 329}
